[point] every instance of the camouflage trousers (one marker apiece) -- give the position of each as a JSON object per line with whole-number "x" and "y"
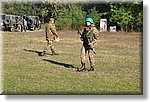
{"x": 84, "y": 52}
{"x": 19, "y": 28}
{"x": 49, "y": 46}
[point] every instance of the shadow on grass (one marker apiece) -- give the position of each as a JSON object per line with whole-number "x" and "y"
{"x": 60, "y": 63}
{"x": 34, "y": 51}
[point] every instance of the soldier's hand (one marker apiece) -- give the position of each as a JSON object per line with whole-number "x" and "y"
{"x": 91, "y": 45}
{"x": 56, "y": 36}
{"x": 81, "y": 38}
{"x": 57, "y": 39}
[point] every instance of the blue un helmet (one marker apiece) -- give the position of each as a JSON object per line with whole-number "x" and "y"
{"x": 89, "y": 20}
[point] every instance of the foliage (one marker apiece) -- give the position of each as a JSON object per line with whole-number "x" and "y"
{"x": 126, "y": 16}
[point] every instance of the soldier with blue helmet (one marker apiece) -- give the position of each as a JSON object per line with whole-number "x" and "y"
{"x": 89, "y": 35}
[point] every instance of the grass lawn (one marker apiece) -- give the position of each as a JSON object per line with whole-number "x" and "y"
{"x": 118, "y": 64}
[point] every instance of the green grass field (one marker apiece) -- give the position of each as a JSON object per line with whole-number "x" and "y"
{"x": 118, "y": 64}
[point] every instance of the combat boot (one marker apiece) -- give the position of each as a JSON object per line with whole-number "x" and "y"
{"x": 43, "y": 53}
{"x": 91, "y": 68}
{"x": 82, "y": 69}
{"x": 54, "y": 53}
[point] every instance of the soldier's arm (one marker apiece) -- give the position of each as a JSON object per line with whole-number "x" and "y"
{"x": 46, "y": 31}
{"x": 96, "y": 32}
{"x": 53, "y": 29}
{"x": 80, "y": 30}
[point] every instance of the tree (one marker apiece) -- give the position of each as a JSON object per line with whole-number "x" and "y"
{"x": 126, "y": 16}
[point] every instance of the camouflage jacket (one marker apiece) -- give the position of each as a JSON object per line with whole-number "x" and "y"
{"x": 50, "y": 30}
{"x": 19, "y": 23}
{"x": 89, "y": 35}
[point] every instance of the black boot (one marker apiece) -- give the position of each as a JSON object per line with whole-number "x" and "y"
{"x": 91, "y": 68}
{"x": 54, "y": 53}
{"x": 82, "y": 69}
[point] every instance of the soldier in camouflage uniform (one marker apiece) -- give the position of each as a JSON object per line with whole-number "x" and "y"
{"x": 19, "y": 27}
{"x": 51, "y": 35}
{"x": 89, "y": 36}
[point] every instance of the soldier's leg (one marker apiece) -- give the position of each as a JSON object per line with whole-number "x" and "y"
{"x": 46, "y": 48}
{"x": 19, "y": 28}
{"x": 24, "y": 28}
{"x": 52, "y": 48}
{"x": 82, "y": 56}
{"x": 91, "y": 59}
